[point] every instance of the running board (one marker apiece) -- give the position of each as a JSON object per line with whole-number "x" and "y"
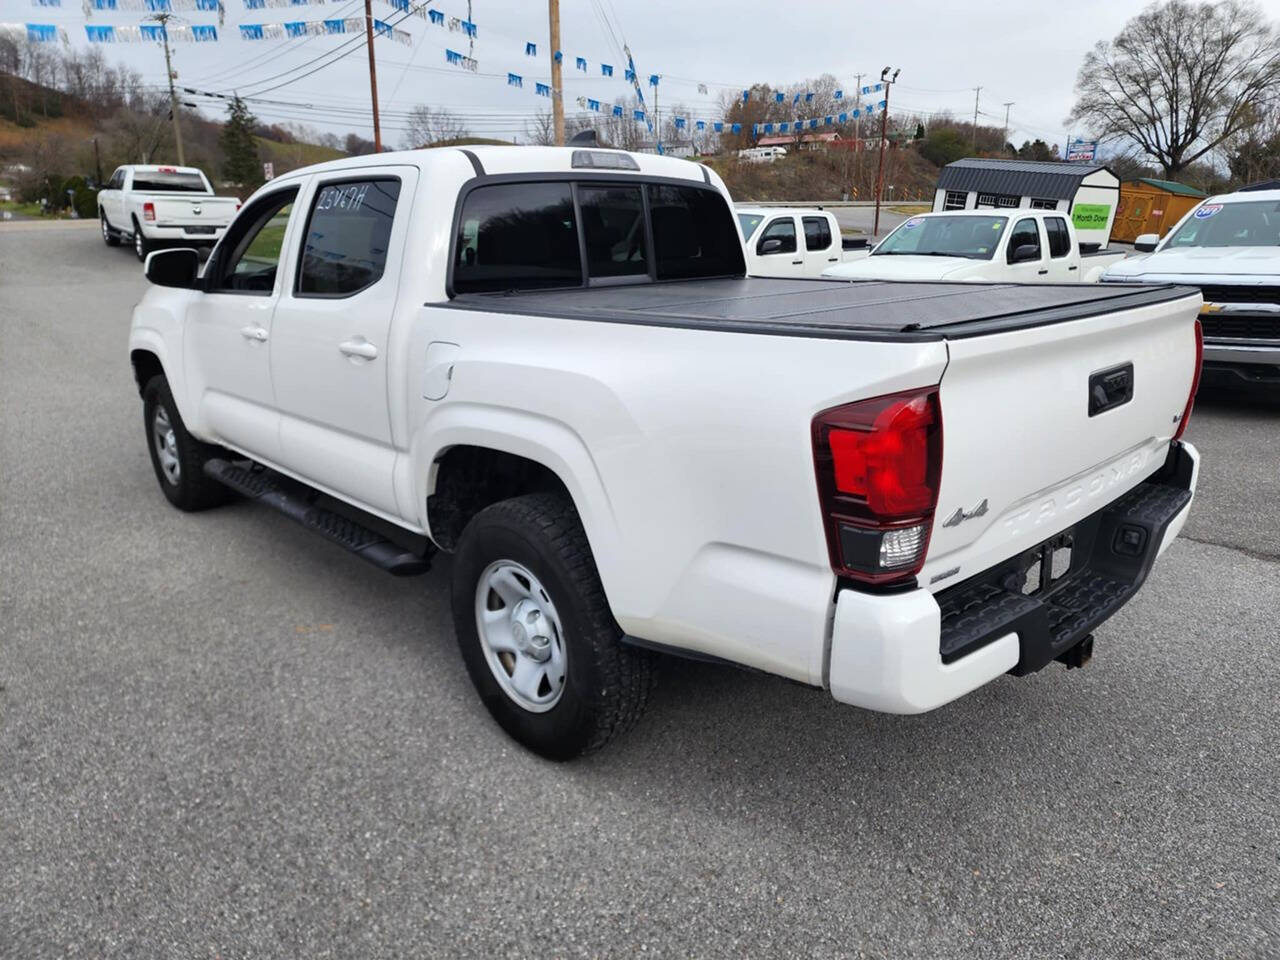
{"x": 269, "y": 489}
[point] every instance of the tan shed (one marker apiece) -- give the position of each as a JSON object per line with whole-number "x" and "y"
{"x": 1151, "y": 206}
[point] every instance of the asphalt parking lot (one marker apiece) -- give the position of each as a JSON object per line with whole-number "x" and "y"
{"x": 222, "y": 737}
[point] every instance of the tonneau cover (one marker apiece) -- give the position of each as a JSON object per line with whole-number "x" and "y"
{"x": 836, "y": 309}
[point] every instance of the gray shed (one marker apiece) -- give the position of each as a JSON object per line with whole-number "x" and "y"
{"x": 1089, "y": 192}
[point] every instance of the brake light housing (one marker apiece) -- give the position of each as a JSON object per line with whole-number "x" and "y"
{"x": 1195, "y": 383}
{"x": 879, "y": 466}
{"x": 149, "y": 211}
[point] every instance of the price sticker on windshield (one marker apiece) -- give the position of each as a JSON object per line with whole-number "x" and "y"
{"x": 1208, "y": 210}
{"x": 913, "y": 223}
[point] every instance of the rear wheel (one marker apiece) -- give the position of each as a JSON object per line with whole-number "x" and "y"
{"x": 141, "y": 245}
{"x": 177, "y": 457}
{"x": 109, "y": 236}
{"x": 536, "y": 633}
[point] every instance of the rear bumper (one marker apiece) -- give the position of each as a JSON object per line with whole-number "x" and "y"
{"x": 913, "y": 651}
{"x": 180, "y": 234}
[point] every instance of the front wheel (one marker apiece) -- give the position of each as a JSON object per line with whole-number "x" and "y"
{"x": 109, "y": 236}
{"x": 177, "y": 457}
{"x": 536, "y": 633}
{"x": 141, "y": 245}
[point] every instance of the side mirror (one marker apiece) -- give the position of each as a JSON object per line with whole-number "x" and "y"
{"x": 1147, "y": 243}
{"x": 1025, "y": 252}
{"x": 772, "y": 245}
{"x": 173, "y": 268}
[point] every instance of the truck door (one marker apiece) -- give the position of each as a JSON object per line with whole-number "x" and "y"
{"x": 1064, "y": 260}
{"x": 777, "y": 251}
{"x": 229, "y": 327}
{"x": 1026, "y": 233}
{"x": 330, "y": 337}
{"x": 820, "y": 249}
{"x": 113, "y": 201}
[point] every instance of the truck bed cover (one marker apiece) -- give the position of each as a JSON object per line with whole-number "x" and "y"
{"x": 830, "y": 309}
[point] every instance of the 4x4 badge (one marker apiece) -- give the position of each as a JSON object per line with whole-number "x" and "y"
{"x": 961, "y": 515}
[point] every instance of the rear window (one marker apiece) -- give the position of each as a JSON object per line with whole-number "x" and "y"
{"x": 160, "y": 181}
{"x": 525, "y": 236}
{"x": 693, "y": 234}
{"x": 517, "y": 236}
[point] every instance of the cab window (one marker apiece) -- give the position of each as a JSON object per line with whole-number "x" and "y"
{"x": 249, "y": 255}
{"x": 1025, "y": 233}
{"x": 782, "y": 229}
{"x": 817, "y": 233}
{"x": 348, "y": 233}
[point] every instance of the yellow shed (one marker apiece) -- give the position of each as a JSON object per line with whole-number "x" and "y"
{"x": 1151, "y": 206}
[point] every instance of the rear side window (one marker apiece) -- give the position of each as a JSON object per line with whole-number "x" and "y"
{"x": 817, "y": 233}
{"x": 693, "y": 234}
{"x": 1059, "y": 238}
{"x": 613, "y": 230}
{"x": 517, "y": 236}
{"x": 348, "y": 232}
{"x": 160, "y": 181}
{"x": 784, "y": 231}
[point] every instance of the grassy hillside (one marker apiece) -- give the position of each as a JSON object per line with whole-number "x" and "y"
{"x": 290, "y": 156}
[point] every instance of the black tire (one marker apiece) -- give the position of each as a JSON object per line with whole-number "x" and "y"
{"x": 109, "y": 236}
{"x": 606, "y": 683}
{"x": 141, "y": 245}
{"x": 191, "y": 489}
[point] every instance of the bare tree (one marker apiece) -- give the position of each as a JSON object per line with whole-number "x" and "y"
{"x": 540, "y": 131}
{"x": 1180, "y": 79}
{"x": 427, "y": 126}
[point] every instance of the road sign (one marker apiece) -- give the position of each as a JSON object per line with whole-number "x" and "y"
{"x": 268, "y": 170}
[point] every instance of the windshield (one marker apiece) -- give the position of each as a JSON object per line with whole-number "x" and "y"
{"x": 164, "y": 181}
{"x": 974, "y": 238}
{"x": 749, "y": 223}
{"x": 1252, "y": 224}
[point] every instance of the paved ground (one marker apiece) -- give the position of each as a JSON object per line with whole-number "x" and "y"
{"x": 222, "y": 737}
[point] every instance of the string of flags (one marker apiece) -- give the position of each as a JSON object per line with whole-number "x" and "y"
{"x": 317, "y": 28}
{"x": 812, "y": 123}
{"x": 34, "y": 32}
{"x": 466, "y": 63}
{"x": 151, "y": 33}
{"x": 143, "y": 6}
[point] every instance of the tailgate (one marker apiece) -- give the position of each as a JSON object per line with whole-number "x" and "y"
{"x": 1025, "y": 452}
{"x": 193, "y": 211}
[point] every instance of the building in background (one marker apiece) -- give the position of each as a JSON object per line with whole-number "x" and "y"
{"x": 1152, "y": 206}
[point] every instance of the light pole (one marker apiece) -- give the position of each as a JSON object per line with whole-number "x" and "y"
{"x": 1006, "y": 124}
{"x": 888, "y": 82}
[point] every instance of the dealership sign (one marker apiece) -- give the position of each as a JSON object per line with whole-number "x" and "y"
{"x": 1085, "y": 150}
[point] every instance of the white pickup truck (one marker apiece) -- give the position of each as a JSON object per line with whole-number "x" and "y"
{"x": 1013, "y": 246}
{"x": 154, "y": 205}
{"x": 550, "y": 362}
{"x": 1229, "y": 247}
{"x": 793, "y": 241}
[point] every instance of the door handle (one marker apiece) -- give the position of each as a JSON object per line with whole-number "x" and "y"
{"x": 1073, "y": 268}
{"x": 1042, "y": 272}
{"x": 796, "y": 263}
{"x": 254, "y": 332}
{"x": 358, "y": 347}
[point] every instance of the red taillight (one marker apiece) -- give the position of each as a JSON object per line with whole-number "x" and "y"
{"x": 1195, "y": 384}
{"x": 879, "y": 462}
{"x": 148, "y": 211}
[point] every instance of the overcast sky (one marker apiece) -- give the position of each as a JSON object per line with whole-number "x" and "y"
{"x": 1026, "y": 52}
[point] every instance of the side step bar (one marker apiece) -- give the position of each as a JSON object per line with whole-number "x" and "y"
{"x": 272, "y": 490}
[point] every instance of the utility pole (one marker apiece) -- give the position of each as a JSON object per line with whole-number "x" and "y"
{"x": 884, "y": 129}
{"x": 557, "y": 82}
{"x": 163, "y": 19}
{"x": 1006, "y": 123}
{"x": 373, "y": 76}
{"x": 857, "y": 135}
{"x": 977, "y": 91}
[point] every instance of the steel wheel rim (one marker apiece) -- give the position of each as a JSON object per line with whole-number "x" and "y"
{"x": 106, "y": 231}
{"x": 521, "y": 636}
{"x": 137, "y": 242}
{"x": 166, "y": 444}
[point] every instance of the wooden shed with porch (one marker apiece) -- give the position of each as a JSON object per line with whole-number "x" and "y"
{"x": 1152, "y": 206}
{"x": 1087, "y": 191}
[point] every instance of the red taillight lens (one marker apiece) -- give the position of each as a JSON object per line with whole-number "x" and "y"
{"x": 1195, "y": 384}
{"x": 879, "y": 462}
{"x": 148, "y": 211}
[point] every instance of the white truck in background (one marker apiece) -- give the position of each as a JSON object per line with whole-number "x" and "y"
{"x": 551, "y": 363}
{"x": 153, "y": 205}
{"x": 794, "y": 241}
{"x": 1020, "y": 246}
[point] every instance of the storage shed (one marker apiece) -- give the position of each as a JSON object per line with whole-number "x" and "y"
{"x": 1089, "y": 192}
{"x": 1152, "y": 206}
